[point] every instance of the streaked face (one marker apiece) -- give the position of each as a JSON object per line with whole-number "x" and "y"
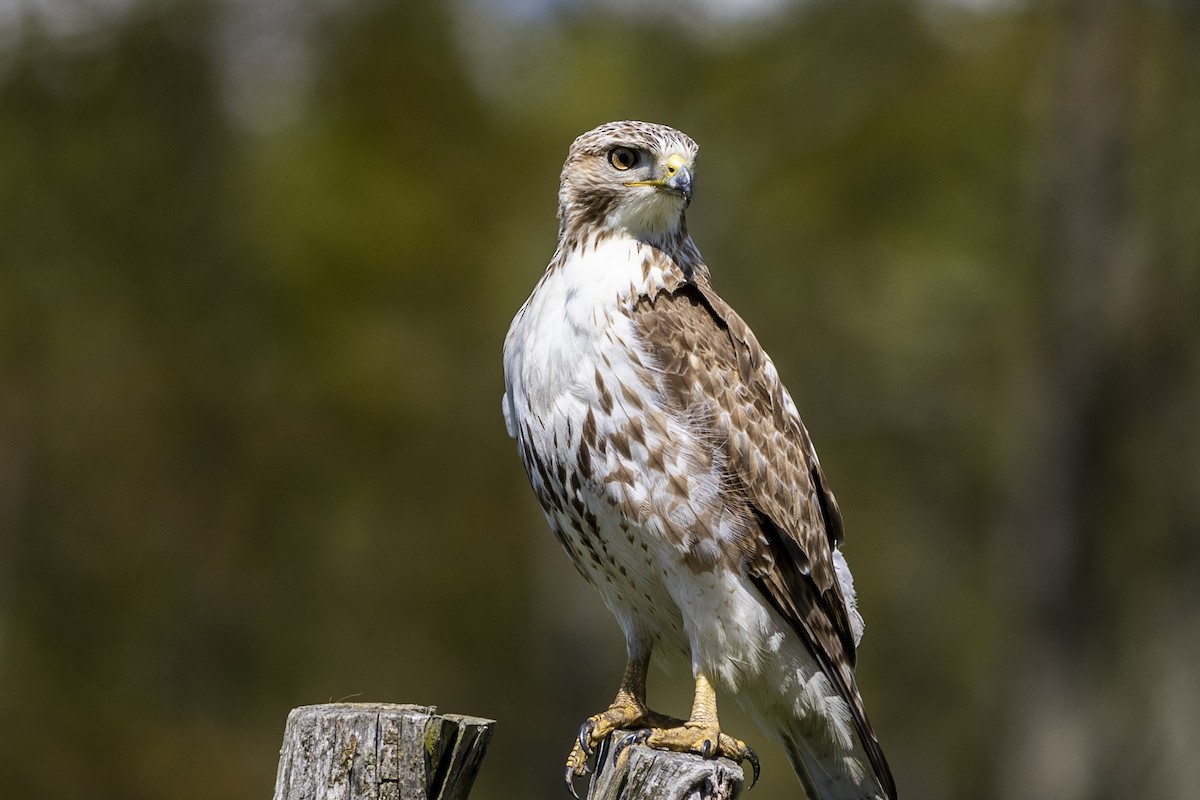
{"x": 632, "y": 175}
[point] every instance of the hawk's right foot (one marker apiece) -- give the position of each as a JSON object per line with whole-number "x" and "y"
{"x": 624, "y": 713}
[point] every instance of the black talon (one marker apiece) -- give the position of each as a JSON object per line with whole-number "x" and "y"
{"x": 706, "y": 749}
{"x": 571, "y": 783}
{"x": 752, "y": 757}
{"x": 637, "y": 737}
{"x": 585, "y": 735}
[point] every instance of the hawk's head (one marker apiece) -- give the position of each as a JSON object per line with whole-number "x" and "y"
{"x": 632, "y": 176}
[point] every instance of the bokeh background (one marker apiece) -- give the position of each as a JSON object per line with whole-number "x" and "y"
{"x": 257, "y": 260}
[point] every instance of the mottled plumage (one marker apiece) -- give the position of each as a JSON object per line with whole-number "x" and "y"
{"x": 674, "y": 469}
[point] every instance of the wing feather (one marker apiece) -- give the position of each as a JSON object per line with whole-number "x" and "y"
{"x": 714, "y": 374}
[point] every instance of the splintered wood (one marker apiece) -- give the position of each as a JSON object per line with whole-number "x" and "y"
{"x": 379, "y": 751}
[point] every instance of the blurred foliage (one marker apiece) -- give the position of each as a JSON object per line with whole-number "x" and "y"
{"x": 251, "y": 453}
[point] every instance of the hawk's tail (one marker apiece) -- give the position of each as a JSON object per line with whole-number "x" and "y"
{"x": 830, "y": 772}
{"x": 826, "y": 778}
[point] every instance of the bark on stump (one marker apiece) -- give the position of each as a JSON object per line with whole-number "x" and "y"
{"x": 641, "y": 773}
{"x": 379, "y": 751}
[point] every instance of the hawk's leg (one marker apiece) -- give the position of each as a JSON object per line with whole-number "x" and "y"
{"x": 700, "y": 734}
{"x": 628, "y": 710}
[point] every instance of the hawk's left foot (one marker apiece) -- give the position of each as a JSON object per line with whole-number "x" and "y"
{"x": 700, "y": 735}
{"x": 705, "y": 741}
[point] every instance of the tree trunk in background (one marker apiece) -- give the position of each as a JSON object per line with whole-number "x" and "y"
{"x": 1051, "y": 744}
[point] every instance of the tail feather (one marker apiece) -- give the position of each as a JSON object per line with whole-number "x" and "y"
{"x": 833, "y": 759}
{"x": 842, "y": 779}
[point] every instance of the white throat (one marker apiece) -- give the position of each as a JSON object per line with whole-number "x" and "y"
{"x": 648, "y": 215}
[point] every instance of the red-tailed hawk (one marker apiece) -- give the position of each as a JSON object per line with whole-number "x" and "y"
{"x": 674, "y": 469}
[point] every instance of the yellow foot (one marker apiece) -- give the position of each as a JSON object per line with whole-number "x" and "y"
{"x": 624, "y": 713}
{"x": 704, "y": 740}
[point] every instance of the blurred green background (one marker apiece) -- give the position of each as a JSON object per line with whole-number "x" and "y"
{"x": 257, "y": 260}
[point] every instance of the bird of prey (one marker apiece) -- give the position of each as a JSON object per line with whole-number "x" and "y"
{"x": 673, "y": 467}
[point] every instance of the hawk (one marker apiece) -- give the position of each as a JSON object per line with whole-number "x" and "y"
{"x": 673, "y": 468}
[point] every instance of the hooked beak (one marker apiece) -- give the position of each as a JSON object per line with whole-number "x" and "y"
{"x": 676, "y": 179}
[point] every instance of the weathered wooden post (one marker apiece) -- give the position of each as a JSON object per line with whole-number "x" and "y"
{"x": 379, "y": 751}
{"x": 640, "y": 773}
{"x": 383, "y": 751}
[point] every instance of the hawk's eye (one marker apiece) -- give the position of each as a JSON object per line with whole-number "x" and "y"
{"x": 622, "y": 158}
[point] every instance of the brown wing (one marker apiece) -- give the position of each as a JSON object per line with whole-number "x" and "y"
{"x": 715, "y": 374}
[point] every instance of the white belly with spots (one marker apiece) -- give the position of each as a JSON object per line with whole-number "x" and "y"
{"x": 566, "y": 357}
{"x": 630, "y": 495}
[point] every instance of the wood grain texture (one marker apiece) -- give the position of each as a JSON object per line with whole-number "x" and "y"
{"x": 641, "y": 773}
{"x": 379, "y": 751}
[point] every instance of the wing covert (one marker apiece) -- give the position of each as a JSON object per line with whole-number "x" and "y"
{"x": 714, "y": 374}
